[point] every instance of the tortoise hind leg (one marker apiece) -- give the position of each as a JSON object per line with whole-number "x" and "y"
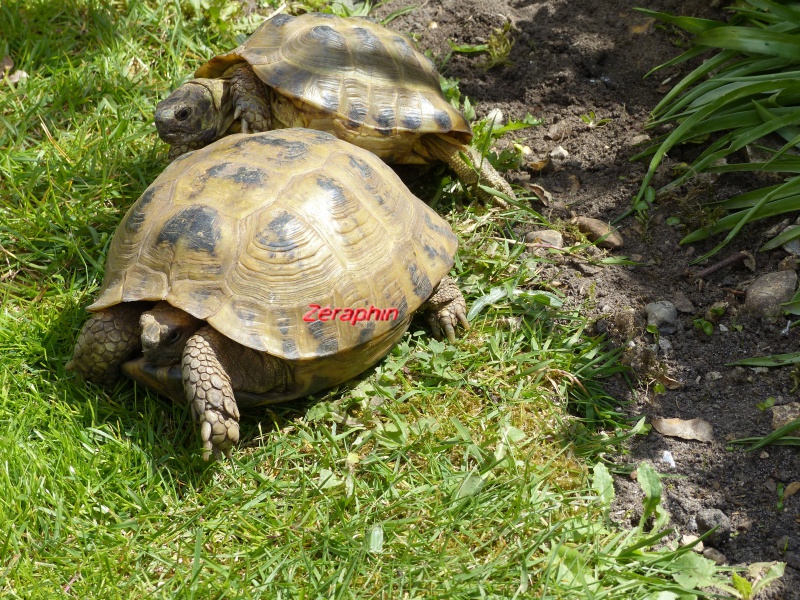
{"x": 450, "y": 153}
{"x": 212, "y": 367}
{"x": 108, "y": 338}
{"x": 445, "y": 308}
{"x": 250, "y": 100}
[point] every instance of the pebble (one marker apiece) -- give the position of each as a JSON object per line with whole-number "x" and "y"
{"x": 545, "y": 236}
{"x": 682, "y": 302}
{"x": 594, "y": 229}
{"x": 558, "y": 153}
{"x": 713, "y": 554}
{"x": 664, "y": 315}
{"x": 709, "y": 518}
{"x": 766, "y": 294}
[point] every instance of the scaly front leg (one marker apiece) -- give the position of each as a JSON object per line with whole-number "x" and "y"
{"x": 213, "y": 366}
{"x": 250, "y": 100}
{"x": 444, "y": 308}
{"x": 108, "y": 338}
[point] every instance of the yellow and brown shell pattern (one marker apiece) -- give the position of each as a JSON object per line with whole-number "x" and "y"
{"x": 367, "y": 77}
{"x": 253, "y": 230}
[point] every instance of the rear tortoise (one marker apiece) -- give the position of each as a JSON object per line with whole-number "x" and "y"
{"x": 349, "y": 76}
{"x": 264, "y": 268}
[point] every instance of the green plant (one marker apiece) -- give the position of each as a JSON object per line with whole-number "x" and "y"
{"x": 747, "y": 91}
{"x": 592, "y": 121}
{"x": 497, "y": 47}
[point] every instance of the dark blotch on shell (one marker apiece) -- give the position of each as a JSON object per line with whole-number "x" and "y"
{"x": 249, "y": 176}
{"x": 366, "y": 332}
{"x": 218, "y": 170}
{"x": 327, "y": 346}
{"x": 371, "y": 42}
{"x": 283, "y": 324}
{"x": 289, "y": 347}
{"x": 333, "y": 189}
{"x": 443, "y": 120}
{"x": 280, "y": 20}
{"x": 330, "y": 101}
{"x": 137, "y": 214}
{"x": 356, "y": 116}
{"x": 385, "y": 121}
{"x": 274, "y": 235}
{"x": 291, "y": 150}
{"x": 327, "y": 36}
{"x": 196, "y": 225}
{"x": 422, "y": 285}
{"x": 317, "y": 329}
{"x": 363, "y": 168}
{"x": 412, "y": 120}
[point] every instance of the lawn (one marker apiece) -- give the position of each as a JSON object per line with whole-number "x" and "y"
{"x": 447, "y": 471}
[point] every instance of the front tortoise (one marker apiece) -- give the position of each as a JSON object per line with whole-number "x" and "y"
{"x": 349, "y": 76}
{"x": 264, "y": 268}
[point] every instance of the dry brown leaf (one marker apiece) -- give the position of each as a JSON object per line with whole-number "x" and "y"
{"x": 641, "y": 27}
{"x": 750, "y": 261}
{"x": 537, "y": 166}
{"x": 791, "y": 489}
{"x": 669, "y": 382}
{"x": 693, "y": 429}
{"x": 541, "y": 193}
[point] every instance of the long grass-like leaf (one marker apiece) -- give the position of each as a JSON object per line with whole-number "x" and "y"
{"x": 697, "y": 117}
{"x": 765, "y": 207}
{"x": 751, "y": 41}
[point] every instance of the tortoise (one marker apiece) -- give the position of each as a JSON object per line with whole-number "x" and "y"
{"x": 265, "y": 268}
{"x": 349, "y": 76}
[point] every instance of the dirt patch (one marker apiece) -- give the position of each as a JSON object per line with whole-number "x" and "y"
{"x": 572, "y": 57}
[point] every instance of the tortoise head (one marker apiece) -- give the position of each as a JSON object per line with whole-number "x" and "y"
{"x": 196, "y": 114}
{"x": 165, "y": 331}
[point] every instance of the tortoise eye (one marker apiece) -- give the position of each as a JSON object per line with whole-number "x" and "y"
{"x": 174, "y": 336}
{"x": 183, "y": 114}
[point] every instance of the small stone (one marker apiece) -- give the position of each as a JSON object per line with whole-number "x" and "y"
{"x": 715, "y": 555}
{"x": 792, "y": 559}
{"x": 763, "y": 455}
{"x": 663, "y": 315}
{"x": 766, "y": 294}
{"x": 559, "y": 153}
{"x": 713, "y": 376}
{"x": 688, "y": 538}
{"x": 545, "y": 236}
{"x": 783, "y": 414}
{"x": 595, "y": 229}
{"x": 586, "y": 268}
{"x": 708, "y": 519}
{"x": 789, "y": 263}
{"x": 639, "y": 139}
{"x": 682, "y": 302}
{"x": 495, "y": 117}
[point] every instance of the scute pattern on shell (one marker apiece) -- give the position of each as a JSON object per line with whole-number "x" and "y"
{"x": 366, "y": 74}
{"x": 251, "y": 230}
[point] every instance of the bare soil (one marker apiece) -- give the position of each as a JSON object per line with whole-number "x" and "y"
{"x": 572, "y": 57}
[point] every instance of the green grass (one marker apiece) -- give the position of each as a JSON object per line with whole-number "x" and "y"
{"x": 444, "y": 472}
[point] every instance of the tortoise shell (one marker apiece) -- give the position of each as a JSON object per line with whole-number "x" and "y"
{"x": 252, "y": 231}
{"x": 367, "y": 78}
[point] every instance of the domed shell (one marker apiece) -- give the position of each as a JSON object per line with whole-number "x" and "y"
{"x": 365, "y": 74}
{"x": 253, "y": 231}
